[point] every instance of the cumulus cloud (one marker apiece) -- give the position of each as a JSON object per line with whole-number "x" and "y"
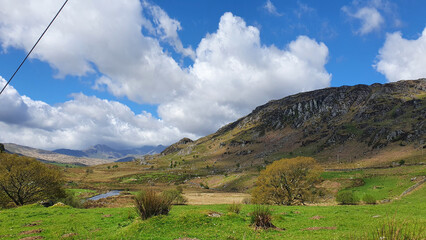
{"x": 231, "y": 74}
{"x": 79, "y": 123}
{"x": 402, "y": 59}
{"x": 235, "y": 73}
{"x": 270, "y": 8}
{"x": 373, "y": 15}
{"x": 105, "y": 34}
{"x": 167, "y": 29}
{"x": 370, "y": 18}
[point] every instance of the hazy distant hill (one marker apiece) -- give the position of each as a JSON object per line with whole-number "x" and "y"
{"x": 51, "y": 156}
{"x": 106, "y": 152}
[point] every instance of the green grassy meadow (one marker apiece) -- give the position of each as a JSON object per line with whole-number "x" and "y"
{"x": 340, "y": 222}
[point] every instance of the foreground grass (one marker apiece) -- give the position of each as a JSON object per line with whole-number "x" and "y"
{"x": 194, "y": 221}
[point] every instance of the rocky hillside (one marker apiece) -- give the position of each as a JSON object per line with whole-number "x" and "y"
{"x": 343, "y": 124}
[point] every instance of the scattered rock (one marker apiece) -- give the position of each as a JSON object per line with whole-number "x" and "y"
{"x": 214, "y": 214}
{"x": 319, "y": 228}
{"x": 376, "y": 216}
{"x": 385, "y": 201}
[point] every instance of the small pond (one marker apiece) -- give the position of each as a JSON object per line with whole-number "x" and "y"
{"x": 105, "y": 195}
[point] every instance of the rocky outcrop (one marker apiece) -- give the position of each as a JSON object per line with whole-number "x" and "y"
{"x": 334, "y": 124}
{"x": 376, "y": 115}
{"x": 176, "y": 147}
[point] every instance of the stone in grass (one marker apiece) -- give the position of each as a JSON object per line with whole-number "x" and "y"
{"x": 214, "y": 214}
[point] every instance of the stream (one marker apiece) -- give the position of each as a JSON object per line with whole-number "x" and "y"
{"x": 105, "y": 195}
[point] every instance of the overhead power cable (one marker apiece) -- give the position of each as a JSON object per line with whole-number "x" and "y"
{"x": 63, "y": 5}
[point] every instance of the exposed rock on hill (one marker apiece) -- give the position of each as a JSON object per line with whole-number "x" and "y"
{"x": 181, "y": 144}
{"x": 332, "y": 124}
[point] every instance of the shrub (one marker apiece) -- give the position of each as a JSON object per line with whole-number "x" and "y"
{"x": 369, "y": 199}
{"x": 261, "y": 217}
{"x": 287, "y": 182}
{"x": 347, "y": 198}
{"x": 72, "y": 201}
{"x": 148, "y": 203}
{"x": 234, "y": 208}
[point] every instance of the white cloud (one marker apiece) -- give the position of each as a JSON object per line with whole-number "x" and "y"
{"x": 402, "y": 59}
{"x": 235, "y": 73}
{"x": 105, "y": 34}
{"x": 270, "y": 8}
{"x": 232, "y": 73}
{"x": 167, "y": 28}
{"x": 371, "y": 19}
{"x": 79, "y": 123}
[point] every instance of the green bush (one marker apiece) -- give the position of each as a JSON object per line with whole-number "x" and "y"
{"x": 234, "y": 208}
{"x": 148, "y": 203}
{"x": 369, "y": 199}
{"x": 72, "y": 201}
{"x": 347, "y": 198}
{"x": 261, "y": 217}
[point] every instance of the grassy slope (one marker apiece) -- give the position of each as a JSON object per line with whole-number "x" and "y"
{"x": 192, "y": 221}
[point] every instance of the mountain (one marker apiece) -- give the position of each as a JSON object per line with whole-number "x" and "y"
{"x": 105, "y": 152}
{"x": 49, "y": 156}
{"x": 69, "y": 152}
{"x": 334, "y": 125}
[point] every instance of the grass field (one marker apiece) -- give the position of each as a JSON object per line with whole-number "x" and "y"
{"x": 299, "y": 222}
{"x": 119, "y": 221}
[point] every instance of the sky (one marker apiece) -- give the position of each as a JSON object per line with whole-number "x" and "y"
{"x": 132, "y": 73}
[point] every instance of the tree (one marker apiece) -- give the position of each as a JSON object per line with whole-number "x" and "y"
{"x": 2, "y": 148}
{"x": 25, "y": 180}
{"x": 287, "y": 182}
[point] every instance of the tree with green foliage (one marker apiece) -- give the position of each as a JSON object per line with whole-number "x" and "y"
{"x": 25, "y": 180}
{"x": 2, "y": 148}
{"x": 287, "y": 182}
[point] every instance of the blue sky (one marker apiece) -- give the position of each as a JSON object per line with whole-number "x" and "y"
{"x": 132, "y": 73}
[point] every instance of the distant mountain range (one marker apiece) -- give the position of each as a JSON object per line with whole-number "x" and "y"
{"x": 98, "y": 154}
{"x": 106, "y": 152}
